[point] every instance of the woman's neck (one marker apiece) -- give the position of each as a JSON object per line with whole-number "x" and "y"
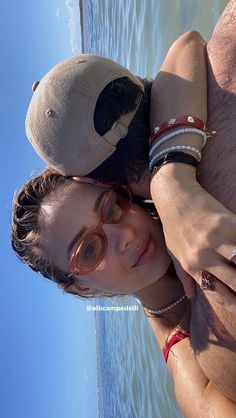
{"x": 163, "y": 292}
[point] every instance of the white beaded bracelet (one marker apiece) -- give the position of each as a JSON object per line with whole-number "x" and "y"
{"x": 165, "y": 138}
{"x": 175, "y": 148}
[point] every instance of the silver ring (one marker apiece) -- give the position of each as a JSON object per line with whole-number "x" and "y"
{"x": 233, "y": 253}
{"x": 208, "y": 281}
{"x": 232, "y": 257}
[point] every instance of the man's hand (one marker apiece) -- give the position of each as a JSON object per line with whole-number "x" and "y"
{"x": 199, "y": 231}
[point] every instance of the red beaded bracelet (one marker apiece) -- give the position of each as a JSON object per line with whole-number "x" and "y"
{"x": 173, "y": 123}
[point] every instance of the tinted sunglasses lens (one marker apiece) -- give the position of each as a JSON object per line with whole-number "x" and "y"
{"x": 123, "y": 198}
{"x": 91, "y": 252}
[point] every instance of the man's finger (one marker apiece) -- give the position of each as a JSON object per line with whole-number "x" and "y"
{"x": 223, "y": 272}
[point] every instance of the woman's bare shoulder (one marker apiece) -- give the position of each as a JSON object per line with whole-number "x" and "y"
{"x": 213, "y": 336}
{"x": 196, "y": 395}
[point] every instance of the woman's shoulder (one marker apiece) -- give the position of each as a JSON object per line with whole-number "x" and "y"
{"x": 166, "y": 325}
{"x": 195, "y": 394}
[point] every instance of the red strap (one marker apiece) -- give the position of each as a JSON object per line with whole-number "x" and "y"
{"x": 173, "y": 123}
{"x": 180, "y": 335}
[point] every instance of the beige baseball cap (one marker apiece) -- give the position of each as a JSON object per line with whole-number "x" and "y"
{"x": 60, "y": 118}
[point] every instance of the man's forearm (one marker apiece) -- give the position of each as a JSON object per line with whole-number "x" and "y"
{"x": 171, "y": 181}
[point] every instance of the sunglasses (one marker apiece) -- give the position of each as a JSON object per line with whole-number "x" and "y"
{"x": 91, "y": 247}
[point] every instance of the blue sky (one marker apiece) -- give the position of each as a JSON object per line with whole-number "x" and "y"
{"x": 48, "y": 365}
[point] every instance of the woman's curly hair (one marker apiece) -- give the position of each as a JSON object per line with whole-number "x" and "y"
{"x": 26, "y": 235}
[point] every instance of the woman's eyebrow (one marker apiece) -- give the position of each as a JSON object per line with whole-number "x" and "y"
{"x": 83, "y": 230}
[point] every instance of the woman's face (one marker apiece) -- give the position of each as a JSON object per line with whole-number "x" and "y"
{"x": 136, "y": 254}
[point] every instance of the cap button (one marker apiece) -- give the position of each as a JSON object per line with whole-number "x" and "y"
{"x": 49, "y": 112}
{"x": 35, "y": 85}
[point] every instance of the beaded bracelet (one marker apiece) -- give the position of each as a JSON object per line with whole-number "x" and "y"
{"x": 175, "y": 148}
{"x": 173, "y": 157}
{"x": 174, "y": 122}
{"x": 165, "y": 138}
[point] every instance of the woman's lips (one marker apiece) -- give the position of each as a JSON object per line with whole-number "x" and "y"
{"x": 146, "y": 252}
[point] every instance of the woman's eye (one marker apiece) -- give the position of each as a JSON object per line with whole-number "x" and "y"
{"x": 112, "y": 210}
{"x": 110, "y": 214}
{"x": 89, "y": 250}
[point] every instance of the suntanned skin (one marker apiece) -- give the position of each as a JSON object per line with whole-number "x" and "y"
{"x": 196, "y": 395}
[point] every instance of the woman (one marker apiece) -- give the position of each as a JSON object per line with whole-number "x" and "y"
{"x": 66, "y": 132}
{"x": 93, "y": 240}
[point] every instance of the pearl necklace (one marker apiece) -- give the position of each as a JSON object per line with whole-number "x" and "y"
{"x": 166, "y": 309}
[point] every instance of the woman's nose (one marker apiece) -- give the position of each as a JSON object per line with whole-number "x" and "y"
{"x": 119, "y": 236}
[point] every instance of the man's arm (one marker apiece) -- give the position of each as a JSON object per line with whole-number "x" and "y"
{"x": 199, "y": 231}
{"x": 182, "y": 78}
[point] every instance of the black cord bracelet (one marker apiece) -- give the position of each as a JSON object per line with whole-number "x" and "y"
{"x": 174, "y": 157}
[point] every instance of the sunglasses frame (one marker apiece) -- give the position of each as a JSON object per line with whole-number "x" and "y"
{"x": 99, "y": 232}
